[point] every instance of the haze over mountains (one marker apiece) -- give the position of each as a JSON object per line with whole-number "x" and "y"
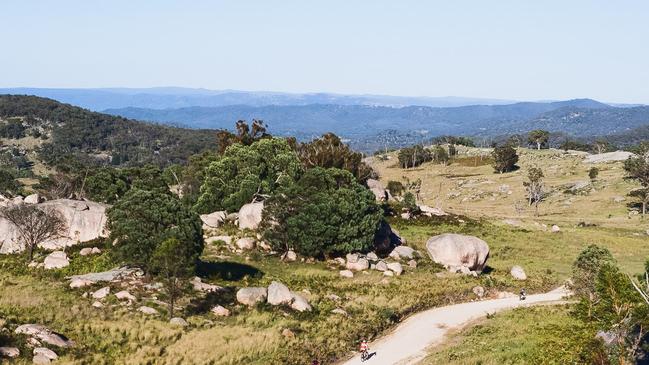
{"x": 369, "y": 122}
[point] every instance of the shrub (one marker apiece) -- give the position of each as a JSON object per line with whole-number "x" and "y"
{"x": 329, "y": 151}
{"x": 142, "y": 219}
{"x": 504, "y": 158}
{"x": 245, "y": 173}
{"x": 593, "y": 172}
{"x": 326, "y": 211}
{"x": 395, "y": 187}
{"x": 440, "y": 155}
{"x": 586, "y": 268}
{"x": 413, "y": 156}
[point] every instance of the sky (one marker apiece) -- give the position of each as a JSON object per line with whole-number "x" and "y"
{"x": 509, "y": 49}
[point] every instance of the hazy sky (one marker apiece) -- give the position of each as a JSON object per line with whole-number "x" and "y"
{"x": 514, "y": 49}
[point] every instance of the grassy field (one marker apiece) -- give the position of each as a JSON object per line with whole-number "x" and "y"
{"x": 117, "y": 334}
{"x": 538, "y": 335}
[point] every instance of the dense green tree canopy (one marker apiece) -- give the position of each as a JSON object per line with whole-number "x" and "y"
{"x": 245, "y": 173}
{"x": 505, "y": 158}
{"x": 329, "y": 151}
{"x": 326, "y": 211}
{"x": 413, "y": 156}
{"x": 142, "y": 219}
{"x": 538, "y": 138}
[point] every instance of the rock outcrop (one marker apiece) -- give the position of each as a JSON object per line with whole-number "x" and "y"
{"x": 251, "y": 296}
{"x": 518, "y": 273}
{"x": 213, "y": 220}
{"x": 379, "y": 191}
{"x": 56, "y": 260}
{"x": 456, "y": 251}
{"x": 85, "y": 221}
{"x": 609, "y": 157}
{"x": 385, "y": 239}
{"x": 250, "y": 215}
{"x": 279, "y": 293}
{"x": 44, "y": 334}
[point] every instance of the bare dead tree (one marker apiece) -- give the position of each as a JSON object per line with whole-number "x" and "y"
{"x": 35, "y": 224}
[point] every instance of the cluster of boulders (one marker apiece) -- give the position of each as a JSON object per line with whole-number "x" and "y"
{"x": 85, "y": 221}
{"x": 248, "y": 217}
{"x": 38, "y": 336}
{"x": 389, "y": 266}
{"x": 275, "y": 294}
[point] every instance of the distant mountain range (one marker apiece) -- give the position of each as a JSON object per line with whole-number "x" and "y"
{"x": 368, "y": 122}
{"x": 175, "y": 97}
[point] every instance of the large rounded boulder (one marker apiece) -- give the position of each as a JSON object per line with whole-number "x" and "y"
{"x": 250, "y": 215}
{"x": 456, "y": 251}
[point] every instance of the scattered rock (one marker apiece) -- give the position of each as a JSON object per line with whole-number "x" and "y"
{"x": 101, "y": 293}
{"x": 333, "y": 297}
{"x": 378, "y": 190}
{"x": 412, "y": 264}
{"x": 381, "y": 266}
{"x": 199, "y": 285}
{"x": 555, "y": 229}
{"x": 619, "y": 199}
{"x": 457, "y": 251}
{"x": 288, "y": 333}
{"x": 429, "y": 211}
{"x": 251, "y": 296}
{"x": 372, "y": 256}
{"x": 388, "y": 273}
{"x": 177, "y": 321}
{"x": 339, "y": 261}
{"x": 9, "y": 352}
{"x": 44, "y": 334}
{"x": 97, "y": 304}
{"x": 289, "y": 256}
{"x": 32, "y": 199}
{"x": 41, "y": 360}
{"x": 213, "y": 220}
{"x": 250, "y": 215}
{"x": 360, "y": 264}
{"x": 403, "y": 252}
{"x": 346, "y": 273}
{"x": 478, "y": 291}
{"x": 85, "y": 251}
{"x": 299, "y": 303}
{"x": 339, "y": 311}
{"x": 608, "y": 338}
{"x": 220, "y": 311}
{"x": 395, "y": 267}
{"x": 278, "y": 293}
{"x": 609, "y": 157}
{"x": 147, "y": 310}
{"x": 246, "y": 243}
{"x": 56, "y": 260}
{"x": 80, "y": 283}
{"x": 110, "y": 275}
{"x": 95, "y": 251}
{"x": 51, "y": 355}
{"x": 124, "y": 294}
{"x": 518, "y": 273}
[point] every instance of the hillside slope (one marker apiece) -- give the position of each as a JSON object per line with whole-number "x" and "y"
{"x": 63, "y": 130}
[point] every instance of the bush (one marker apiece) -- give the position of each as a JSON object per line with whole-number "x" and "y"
{"x": 395, "y": 187}
{"x": 142, "y": 219}
{"x": 329, "y": 151}
{"x": 247, "y": 172}
{"x": 586, "y": 268}
{"x": 325, "y": 212}
{"x": 593, "y": 172}
{"x": 13, "y": 129}
{"x": 504, "y": 158}
{"x": 440, "y": 155}
{"x": 413, "y": 156}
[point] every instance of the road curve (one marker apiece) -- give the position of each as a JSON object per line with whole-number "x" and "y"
{"x": 408, "y": 342}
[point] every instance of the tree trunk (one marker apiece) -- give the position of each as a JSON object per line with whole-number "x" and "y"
{"x": 538, "y": 146}
{"x": 172, "y": 299}
{"x": 536, "y": 208}
{"x": 644, "y": 208}
{"x": 31, "y": 252}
